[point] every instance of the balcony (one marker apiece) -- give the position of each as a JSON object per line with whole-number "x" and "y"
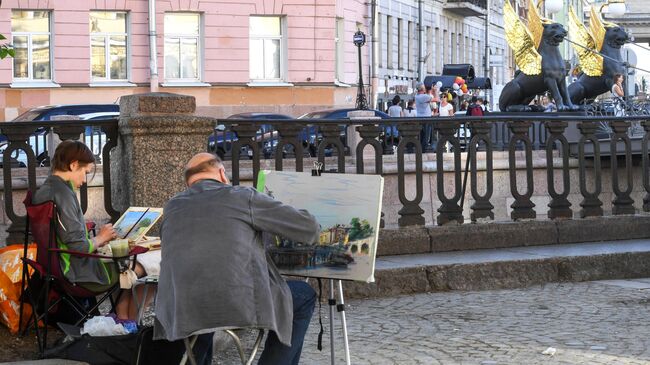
{"x": 467, "y": 8}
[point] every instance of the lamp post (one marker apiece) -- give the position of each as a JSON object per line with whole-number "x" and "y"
{"x": 615, "y": 8}
{"x": 359, "y": 40}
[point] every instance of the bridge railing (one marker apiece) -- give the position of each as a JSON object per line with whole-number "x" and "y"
{"x": 517, "y": 135}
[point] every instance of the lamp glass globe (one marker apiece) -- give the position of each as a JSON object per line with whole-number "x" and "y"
{"x": 553, "y": 6}
{"x": 616, "y": 9}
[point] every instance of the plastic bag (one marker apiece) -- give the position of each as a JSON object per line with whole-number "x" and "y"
{"x": 103, "y": 326}
{"x": 11, "y": 271}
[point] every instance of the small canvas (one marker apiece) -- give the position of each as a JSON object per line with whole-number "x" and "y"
{"x": 136, "y": 222}
{"x": 348, "y": 208}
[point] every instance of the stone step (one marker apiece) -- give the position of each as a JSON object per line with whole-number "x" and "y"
{"x": 472, "y": 236}
{"x": 505, "y": 268}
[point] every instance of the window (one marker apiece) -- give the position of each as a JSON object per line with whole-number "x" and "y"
{"x": 409, "y": 45}
{"x": 182, "y": 47}
{"x": 108, "y": 40}
{"x": 389, "y": 42}
{"x": 454, "y": 48}
{"x": 437, "y": 53}
{"x": 30, "y": 32}
{"x": 445, "y": 47}
{"x": 430, "y": 51}
{"x": 266, "y": 48}
{"x": 400, "y": 45}
{"x": 340, "y": 49}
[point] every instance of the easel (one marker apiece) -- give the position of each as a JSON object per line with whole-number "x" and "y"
{"x": 340, "y": 307}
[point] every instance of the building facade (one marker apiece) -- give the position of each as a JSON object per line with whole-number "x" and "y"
{"x": 251, "y": 55}
{"x": 452, "y": 32}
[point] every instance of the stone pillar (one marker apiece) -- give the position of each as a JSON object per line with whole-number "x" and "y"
{"x": 158, "y": 134}
{"x": 353, "y": 136}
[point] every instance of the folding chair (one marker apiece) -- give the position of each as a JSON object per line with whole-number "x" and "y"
{"x": 41, "y": 220}
{"x": 190, "y": 341}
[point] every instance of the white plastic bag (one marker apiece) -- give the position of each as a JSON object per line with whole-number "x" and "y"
{"x": 103, "y": 326}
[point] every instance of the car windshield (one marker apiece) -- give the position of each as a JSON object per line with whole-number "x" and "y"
{"x": 315, "y": 115}
{"x": 28, "y": 116}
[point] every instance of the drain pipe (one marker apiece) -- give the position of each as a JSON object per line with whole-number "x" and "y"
{"x": 153, "y": 54}
{"x": 374, "y": 55}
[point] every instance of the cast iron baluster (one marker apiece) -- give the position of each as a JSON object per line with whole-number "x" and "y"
{"x": 369, "y": 136}
{"x": 645, "y": 167}
{"x": 560, "y": 207}
{"x": 522, "y": 208}
{"x": 332, "y": 137}
{"x": 111, "y": 142}
{"x": 623, "y": 203}
{"x": 482, "y": 208}
{"x": 535, "y": 133}
{"x": 18, "y": 137}
{"x": 449, "y": 210}
{"x": 411, "y": 213}
{"x": 591, "y": 204}
{"x": 73, "y": 132}
{"x": 288, "y": 135}
{"x": 246, "y": 133}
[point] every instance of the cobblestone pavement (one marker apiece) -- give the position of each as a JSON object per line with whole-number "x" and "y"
{"x": 587, "y": 323}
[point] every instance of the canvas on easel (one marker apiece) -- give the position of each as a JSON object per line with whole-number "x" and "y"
{"x": 348, "y": 208}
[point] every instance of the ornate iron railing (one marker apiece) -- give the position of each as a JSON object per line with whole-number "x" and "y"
{"x": 515, "y": 134}
{"x": 26, "y": 141}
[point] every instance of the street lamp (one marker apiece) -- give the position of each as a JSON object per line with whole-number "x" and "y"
{"x": 359, "y": 40}
{"x": 615, "y": 8}
{"x": 553, "y": 6}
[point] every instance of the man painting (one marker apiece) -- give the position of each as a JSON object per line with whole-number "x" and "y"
{"x": 214, "y": 271}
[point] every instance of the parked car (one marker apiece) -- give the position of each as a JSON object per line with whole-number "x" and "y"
{"x": 315, "y": 137}
{"x": 45, "y": 113}
{"x": 266, "y": 135}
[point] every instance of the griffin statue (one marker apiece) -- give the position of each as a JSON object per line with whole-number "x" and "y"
{"x": 598, "y": 72}
{"x": 541, "y": 67}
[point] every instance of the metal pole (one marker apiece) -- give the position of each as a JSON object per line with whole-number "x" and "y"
{"x": 341, "y": 309}
{"x": 374, "y": 55}
{"x": 332, "y": 304}
{"x": 487, "y": 46}
{"x": 420, "y": 44}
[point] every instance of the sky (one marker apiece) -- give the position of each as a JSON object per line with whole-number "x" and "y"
{"x": 643, "y": 60}
{"x": 332, "y": 199}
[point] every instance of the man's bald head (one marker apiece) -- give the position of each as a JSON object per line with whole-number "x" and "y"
{"x": 205, "y": 166}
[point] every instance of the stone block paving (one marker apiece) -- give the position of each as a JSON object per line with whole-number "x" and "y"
{"x": 587, "y": 323}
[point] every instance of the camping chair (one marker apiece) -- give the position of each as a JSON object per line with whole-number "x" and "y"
{"x": 190, "y": 341}
{"x": 41, "y": 221}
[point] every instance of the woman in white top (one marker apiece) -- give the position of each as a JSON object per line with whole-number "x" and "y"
{"x": 446, "y": 109}
{"x": 395, "y": 110}
{"x": 410, "y": 112}
{"x": 618, "y": 94}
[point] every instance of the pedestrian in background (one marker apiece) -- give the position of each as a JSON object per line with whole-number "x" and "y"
{"x": 423, "y": 110}
{"x": 395, "y": 110}
{"x": 446, "y": 109}
{"x": 410, "y": 112}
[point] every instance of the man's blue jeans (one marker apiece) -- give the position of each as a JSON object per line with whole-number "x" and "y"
{"x": 275, "y": 353}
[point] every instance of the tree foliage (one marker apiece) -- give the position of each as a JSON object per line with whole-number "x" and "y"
{"x": 360, "y": 229}
{"x": 6, "y": 50}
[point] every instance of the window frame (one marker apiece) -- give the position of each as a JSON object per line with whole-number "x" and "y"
{"x": 199, "y": 50}
{"x": 283, "y": 61}
{"x": 107, "y": 36}
{"x": 30, "y": 69}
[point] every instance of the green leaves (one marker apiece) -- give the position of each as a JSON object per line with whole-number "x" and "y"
{"x": 6, "y": 50}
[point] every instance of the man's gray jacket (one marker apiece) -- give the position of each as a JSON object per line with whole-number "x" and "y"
{"x": 214, "y": 272}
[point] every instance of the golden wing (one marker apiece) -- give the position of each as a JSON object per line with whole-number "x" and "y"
{"x": 591, "y": 63}
{"x": 521, "y": 42}
{"x": 535, "y": 23}
{"x": 597, "y": 28}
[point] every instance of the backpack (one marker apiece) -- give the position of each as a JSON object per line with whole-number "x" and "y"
{"x": 475, "y": 111}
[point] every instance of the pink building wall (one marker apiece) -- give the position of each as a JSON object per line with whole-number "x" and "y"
{"x": 310, "y": 25}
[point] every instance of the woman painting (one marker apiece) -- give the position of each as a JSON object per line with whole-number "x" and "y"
{"x": 72, "y": 161}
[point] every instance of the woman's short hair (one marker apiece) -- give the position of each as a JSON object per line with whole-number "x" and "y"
{"x": 69, "y": 151}
{"x": 396, "y": 100}
{"x": 616, "y": 76}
